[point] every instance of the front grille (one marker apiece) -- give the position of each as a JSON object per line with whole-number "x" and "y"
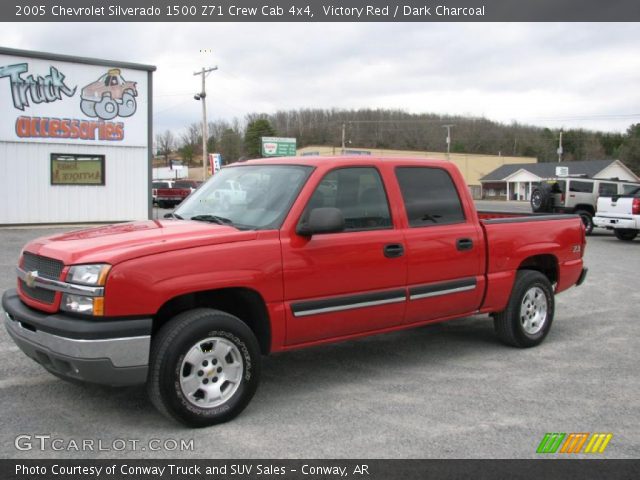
{"x": 40, "y": 294}
{"x": 45, "y": 266}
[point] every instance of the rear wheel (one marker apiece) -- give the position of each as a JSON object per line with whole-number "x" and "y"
{"x": 587, "y": 219}
{"x": 204, "y": 367}
{"x": 625, "y": 234}
{"x": 527, "y": 319}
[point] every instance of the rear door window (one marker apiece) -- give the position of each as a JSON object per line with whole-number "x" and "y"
{"x": 430, "y": 196}
{"x": 607, "y": 189}
{"x": 580, "y": 187}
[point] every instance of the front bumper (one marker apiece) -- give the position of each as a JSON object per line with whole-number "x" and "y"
{"x": 613, "y": 222}
{"x": 108, "y": 352}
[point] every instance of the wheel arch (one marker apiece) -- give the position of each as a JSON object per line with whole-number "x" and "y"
{"x": 244, "y": 303}
{"x": 547, "y": 264}
{"x": 586, "y": 207}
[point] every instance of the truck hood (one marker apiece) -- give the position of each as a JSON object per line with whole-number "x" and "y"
{"x": 116, "y": 243}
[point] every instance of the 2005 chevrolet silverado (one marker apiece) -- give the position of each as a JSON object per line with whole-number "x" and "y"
{"x": 318, "y": 250}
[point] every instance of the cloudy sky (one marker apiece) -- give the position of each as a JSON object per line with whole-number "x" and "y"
{"x": 555, "y": 75}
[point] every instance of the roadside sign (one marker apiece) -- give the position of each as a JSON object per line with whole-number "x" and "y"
{"x": 215, "y": 163}
{"x": 278, "y": 147}
{"x": 562, "y": 171}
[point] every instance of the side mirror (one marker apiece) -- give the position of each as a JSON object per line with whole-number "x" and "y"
{"x": 321, "y": 220}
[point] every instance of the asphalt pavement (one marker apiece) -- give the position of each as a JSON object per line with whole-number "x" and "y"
{"x": 444, "y": 391}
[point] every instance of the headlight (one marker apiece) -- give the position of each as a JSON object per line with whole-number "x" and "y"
{"x": 88, "y": 274}
{"x": 81, "y": 304}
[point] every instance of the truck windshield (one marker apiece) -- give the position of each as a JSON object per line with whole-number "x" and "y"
{"x": 254, "y": 197}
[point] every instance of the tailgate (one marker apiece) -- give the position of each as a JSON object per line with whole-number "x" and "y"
{"x": 614, "y": 206}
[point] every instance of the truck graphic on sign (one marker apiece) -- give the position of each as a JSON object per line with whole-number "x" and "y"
{"x": 109, "y": 96}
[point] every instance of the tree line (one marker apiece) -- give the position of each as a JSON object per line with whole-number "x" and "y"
{"x": 397, "y": 130}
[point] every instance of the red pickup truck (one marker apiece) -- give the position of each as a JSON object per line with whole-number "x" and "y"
{"x": 318, "y": 250}
{"x": 167, "y": 195}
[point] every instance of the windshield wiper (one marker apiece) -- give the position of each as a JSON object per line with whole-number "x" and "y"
{"x": 213, "y": 219}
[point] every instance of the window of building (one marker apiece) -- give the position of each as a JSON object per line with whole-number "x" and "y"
{"x": 430, "y": 197}
{"x": 358, "y": 193}
{"x": 71, "y": 169}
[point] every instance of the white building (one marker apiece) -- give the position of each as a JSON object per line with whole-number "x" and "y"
{"x": 75, "y": 139}
{"x": 515, "y": 181}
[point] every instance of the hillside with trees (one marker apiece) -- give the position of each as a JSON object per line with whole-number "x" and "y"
{"x": 398, "y": 130}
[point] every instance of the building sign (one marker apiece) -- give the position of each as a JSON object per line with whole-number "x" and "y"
{"x": 278, "y": 147}
{"x": 77, "y": 169}
{"x": 562, "y": 171}
{"x": 62, "y": 102}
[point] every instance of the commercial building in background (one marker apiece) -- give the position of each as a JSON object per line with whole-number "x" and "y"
{"x": 472, "y": 166}
{"x": 75, "y": 139}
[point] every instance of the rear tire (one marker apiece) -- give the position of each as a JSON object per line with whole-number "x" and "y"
{"x": 204, "y": 367}
{"x": 625, "y": 234}
{"x": 527, "y": 319}
{"x": 587, "y": 219}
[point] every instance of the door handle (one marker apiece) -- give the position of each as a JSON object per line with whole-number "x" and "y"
{"x": 463, "y": 244}
{"x": 393, "y": 250}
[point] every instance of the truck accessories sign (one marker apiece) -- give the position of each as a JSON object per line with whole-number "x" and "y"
{"x": 71, "y": 103}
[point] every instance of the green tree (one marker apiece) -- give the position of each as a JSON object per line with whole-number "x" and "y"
{"x": 187, "y": 152}
{"x": 229, "y": 145}
{"x": 255, "y": 130}
{"x": 630, "y": 149}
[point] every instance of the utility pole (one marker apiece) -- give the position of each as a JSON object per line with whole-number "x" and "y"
{"x": 202, "y": 96}
{"x": 560, "y": 147}
{"x": 448, "y": 127}
{"x": 344, "y": 128}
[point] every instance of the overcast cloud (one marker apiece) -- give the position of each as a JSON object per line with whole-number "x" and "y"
{"x": 556, "y": 75}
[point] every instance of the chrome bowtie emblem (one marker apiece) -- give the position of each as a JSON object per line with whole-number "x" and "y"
{"x": 30, "y": 279}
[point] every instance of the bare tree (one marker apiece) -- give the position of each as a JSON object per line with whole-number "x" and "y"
{"x": 165, "y": 143}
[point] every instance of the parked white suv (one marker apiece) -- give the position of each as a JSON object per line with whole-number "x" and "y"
{"x": 620, "y": 213}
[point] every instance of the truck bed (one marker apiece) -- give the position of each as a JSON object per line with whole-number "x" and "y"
{"x": 509, "y": 241}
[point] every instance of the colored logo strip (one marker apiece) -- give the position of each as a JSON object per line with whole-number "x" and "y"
{"x": 574, "y": 442}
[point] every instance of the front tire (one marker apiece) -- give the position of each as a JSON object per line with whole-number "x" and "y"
{"x": 527, "y": 319}
{"x": 204, "y": 367}
{"x": 625, "y": 234}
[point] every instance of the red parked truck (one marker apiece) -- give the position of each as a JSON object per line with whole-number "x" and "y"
{"x": 319, "y": 250}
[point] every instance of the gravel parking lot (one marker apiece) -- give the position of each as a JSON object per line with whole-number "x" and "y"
{"x": 442, "y": 391}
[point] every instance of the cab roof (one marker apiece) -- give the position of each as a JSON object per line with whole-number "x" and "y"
{"x": 343, "y": 160}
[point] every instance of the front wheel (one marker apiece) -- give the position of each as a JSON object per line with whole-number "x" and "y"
{"x": 204, "y": 367}
{"x": 527, "y": 319}
{"x": 625, "y": 234}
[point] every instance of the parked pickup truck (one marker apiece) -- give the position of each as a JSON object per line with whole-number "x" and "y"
{"x": 620, "y": 213}
{"x": 166, "y": 195}
{"x": 321, "y": 250}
